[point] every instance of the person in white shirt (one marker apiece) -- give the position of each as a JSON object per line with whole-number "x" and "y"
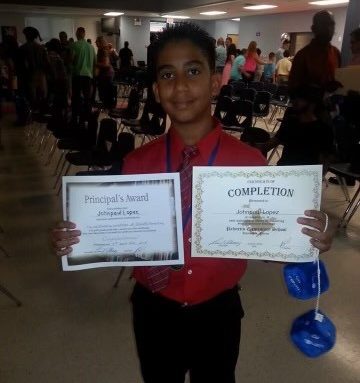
{"x": 283, "y": 68}
{"x": 280, "y": 52}
{"x": 220, "y": 55}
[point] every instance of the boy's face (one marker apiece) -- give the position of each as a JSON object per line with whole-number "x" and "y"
{"x": 184, "y": 83}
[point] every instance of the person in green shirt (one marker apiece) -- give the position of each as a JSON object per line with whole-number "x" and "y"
{"x": 83, "y": 68}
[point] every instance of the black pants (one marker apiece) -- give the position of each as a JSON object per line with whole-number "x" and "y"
{"x": 172, "y": 339}
{"x": 81, "y": 86}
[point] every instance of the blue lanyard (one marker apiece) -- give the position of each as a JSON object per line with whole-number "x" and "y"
{"x": 210, "y": 162}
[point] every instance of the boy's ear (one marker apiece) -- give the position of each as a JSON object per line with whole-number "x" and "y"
{"x": 215, "y": 83}
{"x": 156, "y": 91}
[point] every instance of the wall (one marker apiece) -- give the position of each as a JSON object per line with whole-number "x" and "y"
{"x": 91, "y": 24}
{"x": 225, "y": 27}
{"x": 137, "y": 35}
{"x": 271, "y": 27}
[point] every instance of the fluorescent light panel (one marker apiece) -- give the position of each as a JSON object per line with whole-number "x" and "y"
{"x": 236, "y": 19}
{"x": 329, "y": 2}
{"x": 212, "y": 13}
{"x": 260, "y": 7}
{"x": 175, "y": 17}
{"x": 113, "y": 13}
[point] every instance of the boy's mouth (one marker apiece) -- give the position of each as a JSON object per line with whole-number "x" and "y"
{"x": 182, "y": 104}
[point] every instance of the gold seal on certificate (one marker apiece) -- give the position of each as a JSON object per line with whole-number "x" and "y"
{"x": 251, "y": 212}
{"x": 132, "y": 220}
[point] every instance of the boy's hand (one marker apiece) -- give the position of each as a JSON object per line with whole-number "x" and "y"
{"x": 63, "y": 236}
{"x": 322, "y": 235}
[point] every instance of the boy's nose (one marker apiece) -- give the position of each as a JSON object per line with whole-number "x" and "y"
{"x": 181, "y": 82}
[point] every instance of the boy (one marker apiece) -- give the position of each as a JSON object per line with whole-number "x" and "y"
{"x": 269, "y": 69}
{"x": 190, "y": 319}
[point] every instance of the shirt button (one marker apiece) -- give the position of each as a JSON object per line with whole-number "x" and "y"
{"x": 189, "y": 272}
{"x": 189, "y": 239}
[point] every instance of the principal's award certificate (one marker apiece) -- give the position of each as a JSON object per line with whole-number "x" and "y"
{"x": 132, "y": 220}
{"x": 251, "y": 212}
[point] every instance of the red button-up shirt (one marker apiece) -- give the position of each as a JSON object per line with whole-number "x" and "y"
{"x": 200, "y": 279}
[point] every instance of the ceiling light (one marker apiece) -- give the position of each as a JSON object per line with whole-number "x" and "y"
{"x": 329, "y": 2}
{"x": 212, "y": 13}
{"x": 260, "y": 7}
{"x": 237, "y": 19}
{"x": 175, "y": 17}
{"x": 113, "y": 13}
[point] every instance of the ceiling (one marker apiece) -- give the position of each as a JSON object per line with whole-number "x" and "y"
{"x": 155, "y": 8}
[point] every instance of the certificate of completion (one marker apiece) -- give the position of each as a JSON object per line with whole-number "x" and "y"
{"x": 251, "y": 212}
{"x": 132, "y": 220}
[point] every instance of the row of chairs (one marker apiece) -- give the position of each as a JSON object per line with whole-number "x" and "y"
{"x": 94, "y": 144}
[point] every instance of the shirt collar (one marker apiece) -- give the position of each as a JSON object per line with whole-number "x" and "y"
{"x": 205, "y": 145}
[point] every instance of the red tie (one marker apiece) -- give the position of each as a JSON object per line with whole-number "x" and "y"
{"x": 158, "y": 276}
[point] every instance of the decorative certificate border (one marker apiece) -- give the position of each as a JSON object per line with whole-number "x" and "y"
{"x": 110, "y": 256}
{"x": 257, "y": 173}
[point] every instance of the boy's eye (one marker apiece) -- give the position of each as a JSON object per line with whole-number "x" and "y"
{"x": 193, "y": 71}
{"x": 167, "y": 75}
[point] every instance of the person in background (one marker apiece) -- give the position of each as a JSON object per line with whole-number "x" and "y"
{"x": 228, "y": 42}
{"x": 7, "y": 76}
{"x": 237, "y": 68}
{"x": 113, "y": 56}
{"x": 57, "y": 80}
{"x": 104, "y": 73}
{"x": 65, "y": 54}
{"x": 189, "y": 318}
{"x": 285, "y": 46}
{"x": 220, "y": 55}
{"x": 306, "y": 140}
{"x": 259, "y": 67}
{"x": 283, "y": 68}
{"x": 89, "y": 41}
{"x": 126, "y": 58}
{"x": 316, "y": 62}
{"x": 252, "y": 59}
{"x": 33, "y": 70}
{"x": 231, "y": 54}
{"x": 83, "y": 70}
{"x": 150, "y": 54}
{"x": 71, "y": 40}
{"x": 355, "y": 46}
{"x": 269, "y": 69}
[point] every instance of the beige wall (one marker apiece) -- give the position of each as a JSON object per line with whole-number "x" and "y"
{"x": 91, "y": 24}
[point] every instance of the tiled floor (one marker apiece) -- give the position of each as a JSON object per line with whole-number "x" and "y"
{"x": 75, "y": 327}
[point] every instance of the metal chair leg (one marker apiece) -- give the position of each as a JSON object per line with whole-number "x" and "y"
{"x": 343, "y": 221}
{"x": 342, "y": 183}
{"x": 352, "y": 213}
{"x": 121, "y": 272}
{"x": 4, "y": 252}
{"x": 9, "y": 295}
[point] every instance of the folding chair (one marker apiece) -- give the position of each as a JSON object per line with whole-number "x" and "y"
{"x": 262, "y": 106}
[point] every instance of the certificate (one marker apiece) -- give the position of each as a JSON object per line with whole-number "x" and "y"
{"x": 132, "y": 220}
{"x": 251, "y": 212}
